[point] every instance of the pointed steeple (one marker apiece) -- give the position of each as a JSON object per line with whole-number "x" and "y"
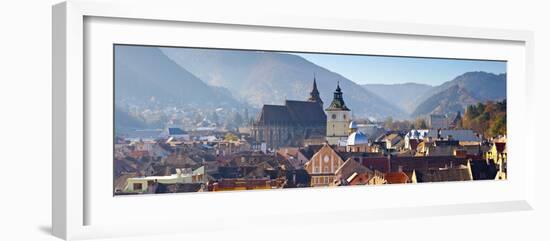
{"x": 314, "y": 94}
{"x": 314, "y": 90}
{"x": 338, "y": 101}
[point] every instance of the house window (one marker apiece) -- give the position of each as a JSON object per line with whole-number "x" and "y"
{"x": 138, "y": 186}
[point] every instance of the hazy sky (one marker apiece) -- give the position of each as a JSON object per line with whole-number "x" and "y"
{"x": 394, "y": 70}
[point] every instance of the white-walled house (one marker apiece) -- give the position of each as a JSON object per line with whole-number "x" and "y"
{"x": 144, "y": 184}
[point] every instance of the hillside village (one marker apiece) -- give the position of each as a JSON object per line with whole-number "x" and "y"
{"x": 299, "y": 144}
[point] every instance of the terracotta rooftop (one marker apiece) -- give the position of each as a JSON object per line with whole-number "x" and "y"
{"x": 396, "y": 177}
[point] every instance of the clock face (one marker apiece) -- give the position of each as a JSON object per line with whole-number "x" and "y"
{"x": 333, "y": 116}
{"x": 326, "y": 159}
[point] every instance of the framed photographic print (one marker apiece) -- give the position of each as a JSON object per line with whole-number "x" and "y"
{"x": 223, "y": 116}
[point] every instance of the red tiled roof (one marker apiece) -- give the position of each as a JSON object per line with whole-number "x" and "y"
{"x": 396, "y": 177}
{"x": 380, "y": 164}
{"x": 138, "y": 154}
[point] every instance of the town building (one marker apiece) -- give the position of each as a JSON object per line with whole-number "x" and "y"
{"x": 294, "y": 155}
{"x": 323, "y": 165}
{"x": 372, "y": 130}
{"x": 177, "y": 133}
{"x": 236, "y": 184}
{"x": 414, "y": 137}
{"x": 398, "y": 177}
{"x": 374, "y": 178}
{"x": 148, "y": 184}
{"x": 498, "y": 155}
{"x": 339, "y": 117}
{"x": 448, "y": 174}
{"x": 394, "y": 142}
{"x": 465, "y": 136}
{"x": 290, "y": 124}
{"x": 357, "y": 140}
{"x": 447, "y": 121}
{"x": 349, "y": 168}
{"x": 438, "y": 122}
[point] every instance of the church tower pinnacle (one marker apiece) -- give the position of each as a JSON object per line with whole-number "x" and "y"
{"x": 314, "y": 94}
{"x": 338, "y": 101}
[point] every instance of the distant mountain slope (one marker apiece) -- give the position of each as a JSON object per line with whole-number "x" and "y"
{"x": 125, "y": 122}
{"x": 270, "y": 78}
{"x": 402, "y": 95}
{"x": 453, "y": 99}
{"x": 466, "y": 89}
{"x": 144, "y": 73}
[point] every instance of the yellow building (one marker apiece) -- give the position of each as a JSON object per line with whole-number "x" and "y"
{"x": 338, "y": 119}
{"x": 498, "y": 154}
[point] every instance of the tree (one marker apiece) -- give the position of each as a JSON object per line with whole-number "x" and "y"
{"x": 420, "y": 123}
{"x": 487, "y": 118}
{"x": 230, "y": 137}
{"x": 498, "y": 126}
{"x": 388, "y": 123}
{"x": 459, "y": 124}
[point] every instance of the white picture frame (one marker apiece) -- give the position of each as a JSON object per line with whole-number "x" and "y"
{"x": 73, "y": 193}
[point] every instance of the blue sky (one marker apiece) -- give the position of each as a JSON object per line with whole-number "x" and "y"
{"x": 394, "y": 70}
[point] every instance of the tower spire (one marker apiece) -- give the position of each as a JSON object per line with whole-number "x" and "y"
{"x": 338, "y": 101}
{"x": 314, "y": 84}
{"x": 314, "y": 94}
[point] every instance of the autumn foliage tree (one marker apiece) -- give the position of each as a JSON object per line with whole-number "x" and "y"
{"x": 231, "y": 137}
{"x": 487, "y": 118}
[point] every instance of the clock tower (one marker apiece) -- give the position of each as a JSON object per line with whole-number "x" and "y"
{"x": 338, "y": 119}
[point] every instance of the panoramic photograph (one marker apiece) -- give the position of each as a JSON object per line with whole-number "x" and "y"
{"x": 208, "y": 120}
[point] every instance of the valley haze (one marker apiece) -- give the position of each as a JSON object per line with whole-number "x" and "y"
{"x": 243, "y": 78}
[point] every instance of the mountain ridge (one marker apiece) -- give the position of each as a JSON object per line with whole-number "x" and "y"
{"x": 143, "y": 74}
{"x": 468, "y": 88}
{"x": 272, "y": 77}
